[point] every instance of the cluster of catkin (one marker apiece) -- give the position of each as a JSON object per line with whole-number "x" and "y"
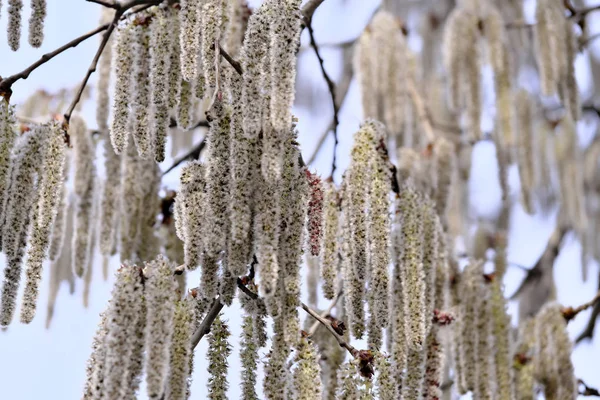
{"x": 36, "y": 23}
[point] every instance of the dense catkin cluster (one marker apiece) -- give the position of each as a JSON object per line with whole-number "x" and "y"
{"x": 8, "y": 135}
{"x": 212, "y": 13}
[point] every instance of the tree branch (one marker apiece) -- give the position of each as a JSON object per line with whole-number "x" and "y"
{"x": 194, "y": 153}
{"x": 331, "y": 87}
{"x": 204, "y": 327}
{"x": 325, "y": 313}
{"x": 105, "y": 3}
{"x": 587, "y": 391}
{"x": 569, "y": 312}
{"x": 588, "y": 332}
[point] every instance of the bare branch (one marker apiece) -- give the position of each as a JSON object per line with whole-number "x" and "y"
{"x": 587, "y": 391}
{"x": 325, "y": 313}
{"x": 588, "y": 332}
{"x": 569, "y": 312}
{"x": 105, "y": 3}
{"x": 204, "y": 327}
{"x": 309, "y": 8}
{"x": 193, "y": 154}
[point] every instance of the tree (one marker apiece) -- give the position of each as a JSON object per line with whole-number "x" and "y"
{"x": 383, "y": 242}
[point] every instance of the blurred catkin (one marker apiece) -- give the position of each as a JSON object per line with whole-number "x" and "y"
{"x": 104, "y": 69}
{"x": 14, "y": 24}
{"x": 525, "y": 156}
{"x": 212, "y": 13}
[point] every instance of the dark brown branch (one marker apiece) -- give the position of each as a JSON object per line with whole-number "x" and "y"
{"x": 193, "y": 154}
{"x": 207, "y": 322}
{"x": 587, "y": 391}
{"x": 105, "y": 3}
{"x": 236, "y": 65}
{"x": 569, "y": 312}
{"x": 584, "y": 11}
{"x": 588, "y": 332}
{"x": 588, "y": 40}
{"x": 331, "y": 86}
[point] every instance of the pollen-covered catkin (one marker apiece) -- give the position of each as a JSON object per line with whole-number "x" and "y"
{"x": 124, "y": 56}
{"x": 190, "y": 202}
{"x": 330, "y": 248}
{"x": 181, "y": 350}
{"x": 445, "y": 165}
{"x": 8, "y": 135}
{"x": 175, "y": 62}
{"x": 397, "y": 345}
{"x": 212, "y": 13}
{"x": 385, "y": 380}
{"x": 57, "y": 238}
{"x": 218, "y": 351}
{"x": 122, "y": 313}
{"x": 285, "y": 39}
{"x": 501, "y": 331}
{"x": 94, "y": 388}
{"x": 36, "y": 22}
{"x": 315, "y": 213}
{"x": 276, "y": 371}
{"x": 109, "y": 204}
{"x": 136, "y": 345}
{"x": 160, "y": 295}
{"x": 307, "y": 372}
{"x": 254, "y": 54}
{"x": 430, "y": 256}
{"x": 234, "y": 32}
{"x": 189, "y": 37}
{"x": 454, "y": 50}
{"x": 104, "y": 68}
{"x": 249, "y": 359}
{"x": 364, "y": 66}
{"x": 85, "y": 172}
{"x": 14, "y": 24}
{"x": 545, "y": 46}
{"x": 483, "y": 327}
{"x": 18, "y": 205}
{"x": 348, "y": 382}
{"x": 141, "y": 95}
{"x": 470, "y": 285}
{"x": 413, "y": 378}
{"x": 160, "y": 44}
{"x": 184, "y": 105}
{"x": 217, "y": 179}
{"x": 50, "y": 188}
{"x": 412, "y": 269}
{"x": 524, "y": 367}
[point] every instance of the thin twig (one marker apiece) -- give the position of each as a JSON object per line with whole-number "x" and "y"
{"x": 236, "y": 65}
{"x": 325, "y": 313}
{"x": 194, "y": 154}
{"x": 584, "y": 11}
{"x": 331, "y": 87}
{"x": 587, "y": 391}
{"x": 351, "y": 349}
{"x": 207, "y": 322}
{"x": 588, "y": 332}
{"x": 588, "y": 40}
{"x": 569, "y": 312}
{"x": 105, "y": 3}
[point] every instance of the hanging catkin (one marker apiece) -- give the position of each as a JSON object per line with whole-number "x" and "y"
{"x": 104, "y": 67}
{"x": 110, "y": 199}
{"x": 160, "y": 295}
{"x": 179, "y": 366}
{"x": 8, "y": 135}
{"x": 189, "y": 37}
{"x": 254, "y": 54}
{"x": 218, "y": 351}
{"x": 160, "y": 46}
{"x": 285, "y": 39}
{"x": 57, "y": 238}
{"x": 397, "y": 345}
{"x": 212, "y": 13}
{"x": 124, "y": 56}
{"x": 501, "y": 331}
{"x": 14, "y": 24}
{"x": 275, "y": 370}
{"x": 568, "y": 89}
{"x": 189, "y": 206}
{"x": 94, "y": 388}
{"x": 249, "y": 359}
{"x": 364, "y": 66}
{"x": 217, "y": 179}
{"x": 483, "y": 366}
{"x": 547, "y": 38}
{"x": 243, "y": 150}
{"x": 184, "y": 105}
{"x": 348, "y": 382}
{"x": 85, "y": 172}
{"x": 18, "y": 205}
{"x": 50, "y": 188}
{"x": 524, "y": 368}
{"x": 525, "y": 156}
{"x": 330, "y": 248}
{"x": 130, "y": 199}
{"x": 175, "y": 61}
{"x": 384, "y": 28}
{"x": 234, "y": 32}
{"x": 141, "y": 94}
{"x": 445, "y": 165}
{"x": 125, "y": 304}
{"x": 315, "y": 214}
{"x": 36, "y": 22}
{"x": 307, "y": 372}
{"x": 136, "y": 344}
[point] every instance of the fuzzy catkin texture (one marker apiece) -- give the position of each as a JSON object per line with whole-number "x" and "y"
{"x": 249, "y": 359}
{"x": 14, "y": 24}
{"x": 212, "y": 13}
{"x": 330, "y": 243}
{"x": 254, "y": 54}
{"x": 471, "y": 76}
{"x": 191, "y": 205}
{"x": 50, "y": 189}
{"x": 36, "y": 22}
{"x": 85, "y": 172}
{"x": 175, "y": 77}
{"x": 315, "y": 213}
{"x": 160, "y": 295}
{"x": 413, "y": 379}
{"x": 545, "y": 46}
{"x": 397, "y": 345}
{"x": 109, "y": 204}
{"x": 217, "y": 179}
{"x": 445, "y": 165}
{"x": 136, "y": 343}
{"x": 8, "y": 135}
{"x": 285, "y": 39}
{"x": 104, "y": 68}
{"x": 412, "y": 268}
{"x": 455, "y": 49}
{"x": 348, "y": 382}
{"x": 185, "y": 105}
{"x": 430, "y": 256}
{"x": 140, "y": 106}
{"x": 352, "y": 285}
{"x": 364, "y": 65}
{"x": 124, "y": 64}
{"x": 501, "y": 331}
{"x": 93, "y": 388}
{"x": 160, "y": 46}
{"x": 524, "y": 380}
{"x": 130, "y": 198}
{"x": 218, "y": 351}
{"x": 307, "y": 372}
{"x": 276, "y": 371}
{"x": 385, "y": 379}
{"x": 189, "y": 37}
{"x": 384, "y": 28}
{"x": 57, "y": 238}
{"x": 234, "y": 32}
{"x": 122, "y": 313}
{"x": 483, "y": 366}
{"x": 181, "y": 350}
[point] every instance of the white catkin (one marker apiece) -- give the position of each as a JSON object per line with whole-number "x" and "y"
{"x": 189, "y": 37}
{"x": 160, "y": 43}
{"x": 110, "y": 198}
{"x": 330, "y": 243}
{"x": 191, "y": 205}
{"x": 307, "y": 372}
{"x": 181, "y": 350}
{"x": 36, "y": 22}
{"x": 160, "y": 293}
{"x": 8, "y": 135}
{"x": 285, "y": 37}
{"x": 104, "y": 68}
{"x": 124, "y": 56}
{"x": 18, "y": 204}
{"x": 136, "y": 344}
{"x": 85, "y": 171}
{"x": 234, "y": 32}
{"x": 95, "y": 364}
{"x": 140, "y": 106}
{"x": 175, "y": 61}
{"x": 212, "y": 12}
{"x": 130, "y": 198}
{"x": 50, "y": 189}
{"x": 14, "y": 24}
{"x": 58, "y": 228}
{"x": 249, "y": 359}
{"x": 218, "y": 351}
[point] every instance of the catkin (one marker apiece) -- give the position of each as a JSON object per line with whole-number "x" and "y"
{"x": 249, "y": 359}
{"x": 413, "y": 379}
{"x": 184, "y": 105}
{"x": 57, "y": 238}
{"x": 14, "y": 24}
{"x": 85, "y": 172}
{"x": 218, "y": 351}
{"x": 181, "y": 350}
{"x": 234, "y": 32}
{"x": 285, "y": 39}
{"x": 276, "y": 372}
{"x": 104, "y": 67}
{"x": 454, "y": 49}
{"x": 545, "y": 46}
{"x": 524, "y": 381}
{"x": 212, "y": 13}
{"x": 189, "y": 37}
{"x": 569, "y": 91}
{"x": 175, "y": 77}
{"x": 124, "y": 63}
{"x": 217, "y": 179}
{"x": 307, "y": 372}
{"x": 8, "y": 135}
{"x": 352, "y": 286}
{"x": 315, "y": 214}
{"x": 160, "y": 292}
{"x": 385, "y": 379}
{"x": 330, "y": 247}
{"x": 397, "y": 345}
{"x": 36, "y": 22}
{"x": 483, "y": 326}
{"x": 445, "y": 165}
{"x": 470, "y": 287}
{"x": 93, "y": 388}
{"x": 130, "y": 198}
{"x": 501, "y": 342}
{"x": 136, "y": 344}
{"x": 348, "y": 382}
{"x": 365, "y": 68}
{"x": 50, "y": 189}
{"x": 160, "y": 44}
{"x": 190, "y": 203}
{"x": 141, "y": 95}
{"x": 110, "y": 199}
{"x": 525, "y": 156}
